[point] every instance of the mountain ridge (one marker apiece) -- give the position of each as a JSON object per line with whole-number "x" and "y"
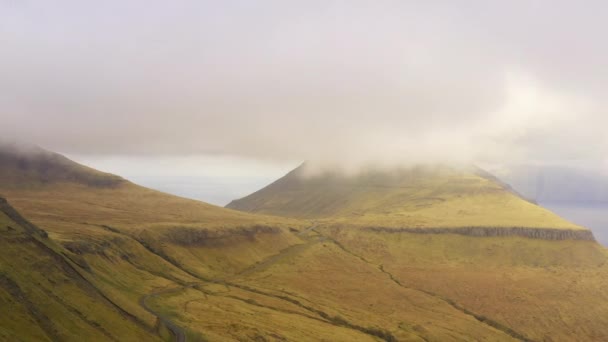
{"x": 190, "y": 270}
{"x": 402, "y": 198}
{"x": 30, "y": 165}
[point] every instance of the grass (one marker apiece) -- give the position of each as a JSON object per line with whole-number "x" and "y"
{"x": 227, "y": 315}
{"x": 44, "y": 297}
{"x": 131, "y": 241}
{"x": 64, "y": 207}
{"x": 347, "y": 288}
{"x": 440, "y": 287}
{"x": 417, "y": 197}
{"x": 241, "y": 276}
{"x": 541, "y": 289}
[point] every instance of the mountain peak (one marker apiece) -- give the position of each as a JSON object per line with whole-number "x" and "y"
{"x": 404, "y": 197}
{"x": 30, "y": 165}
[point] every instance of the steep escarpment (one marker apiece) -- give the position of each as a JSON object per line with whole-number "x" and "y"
{"x": 532, "y": 233}
{"x": 206, "y": 237}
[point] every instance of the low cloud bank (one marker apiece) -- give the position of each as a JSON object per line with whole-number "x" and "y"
{"x": 348, "y": 83}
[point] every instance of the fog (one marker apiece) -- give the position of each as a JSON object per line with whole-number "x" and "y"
{"x": 213, "y": 100}
{"x": 339, "y": 82}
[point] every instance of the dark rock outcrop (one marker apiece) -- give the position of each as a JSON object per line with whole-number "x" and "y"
{"x": 532, "y": 233}
{"x": 186, "y": 236}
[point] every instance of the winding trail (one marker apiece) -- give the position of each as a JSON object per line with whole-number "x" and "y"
{"x": 177, "y": 332}
{"x": 273, "y": 259}
{"x": 180, "y": 333}
{"x": 309, "y": 229}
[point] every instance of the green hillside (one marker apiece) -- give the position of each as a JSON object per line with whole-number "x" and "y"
{"x": 424, "y": 196}
{"x": 45, "y": 296}
{"x": 117, "y": 261}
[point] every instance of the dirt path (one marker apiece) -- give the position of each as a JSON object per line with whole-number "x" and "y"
{"x": 311, "y": 240}
{"x": 273, "y": 259}
{"x": 178, "y": 332}
{"x": 308, "y": 230}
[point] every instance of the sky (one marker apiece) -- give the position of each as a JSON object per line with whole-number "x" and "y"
{"x": 216, "y": 179}
{"x": 211, "y": 87}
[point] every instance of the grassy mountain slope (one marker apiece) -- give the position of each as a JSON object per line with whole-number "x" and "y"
{"x": 185, "y": 268}
{"x": 132, "y": 241}
{"x": 493, "y": 255}
{"x": 45, "y": 297}
{"x": 83, "y": 215}
{"x": 164, "y": 259}
{"x": 545, "y": 290}
{"x": 430, "y": 196}
{"x": 29, "y": 166}
{"x": 40, "y": 183}
{"x": 317, "y": 291}
{"x": 146, "y": 251}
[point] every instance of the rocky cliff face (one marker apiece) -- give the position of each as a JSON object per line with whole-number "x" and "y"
{"x": 205, "y": 237}
{"x": 532, "y": 233}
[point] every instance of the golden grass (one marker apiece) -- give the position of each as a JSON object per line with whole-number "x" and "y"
{"x": 480, "y": 210}
{"x": 417, "y": 197}
{"x": 128, "y": 239}
{"x": 67, "y": 208}
{"x": 44, "y": 298}
{"x": 346, "y": 287}
{"x": 225, "y": 314}
{"x": 240, "y": 276}
{"x": 545, "y": 290}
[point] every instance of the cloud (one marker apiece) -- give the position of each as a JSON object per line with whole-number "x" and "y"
{"x": 341, "y": 82}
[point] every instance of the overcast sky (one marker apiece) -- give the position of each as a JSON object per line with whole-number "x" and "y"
{"x": 278, "y": 82}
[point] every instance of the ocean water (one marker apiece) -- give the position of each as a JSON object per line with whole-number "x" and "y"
{"x": 591, "y": 215}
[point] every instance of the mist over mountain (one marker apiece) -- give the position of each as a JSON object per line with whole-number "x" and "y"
{"x": 341, "y": 83}
{"x": 84, "y": 258}
{"x": 559, "y": 183}
{"x": 454, "y": 185}
{"x": 577, "y": 192}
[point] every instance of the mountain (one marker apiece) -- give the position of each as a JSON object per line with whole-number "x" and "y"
{"x": 88, "y": 255}
{"x": 128, "y": 240}
{"x": 415, "y": 197}
{"x": 65, "y": 196}
{"x": 29, "y": 165}
{"x": 458, "y": 234}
